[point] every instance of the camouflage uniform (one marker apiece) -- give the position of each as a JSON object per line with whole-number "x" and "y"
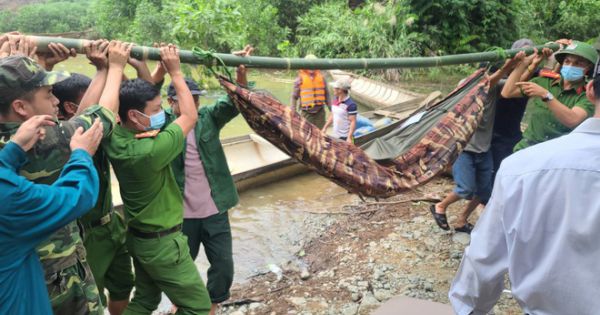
{"x": 71, "y": 286}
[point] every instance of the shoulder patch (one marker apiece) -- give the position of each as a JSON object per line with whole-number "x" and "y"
{"x": 545, "y": 73}
{"x": 147, "y": 134}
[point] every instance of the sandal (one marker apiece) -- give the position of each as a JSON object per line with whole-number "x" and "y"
{"x": 439, "y": 218}
{"x": 467, "y": 228}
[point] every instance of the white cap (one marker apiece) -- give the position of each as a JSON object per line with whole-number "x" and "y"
{"x": 343, "y": 84}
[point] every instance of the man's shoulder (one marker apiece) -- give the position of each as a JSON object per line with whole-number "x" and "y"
{"x": 571, "y": 151}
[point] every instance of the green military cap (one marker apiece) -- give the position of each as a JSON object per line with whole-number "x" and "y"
{"x": 20, "y": 74}
{"x": 584, "y": 50}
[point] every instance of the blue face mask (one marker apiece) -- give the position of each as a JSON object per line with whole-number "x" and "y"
{"x": 571, "y": 73}
{"x": 156, "y": 121}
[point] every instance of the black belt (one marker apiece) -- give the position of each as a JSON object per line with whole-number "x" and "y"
{"x": 142, "y": 234}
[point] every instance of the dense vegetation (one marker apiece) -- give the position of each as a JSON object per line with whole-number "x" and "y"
{"x": 326, "y": 28}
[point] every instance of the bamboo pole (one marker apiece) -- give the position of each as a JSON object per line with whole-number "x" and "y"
{"x": 186, "y": 56}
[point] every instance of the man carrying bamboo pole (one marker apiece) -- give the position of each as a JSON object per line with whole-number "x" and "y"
{"x": 559, "y": 105}
{"x": 104, "y": 228}
{"x": 141, "y": 152}
{"x": 25, "y": 91}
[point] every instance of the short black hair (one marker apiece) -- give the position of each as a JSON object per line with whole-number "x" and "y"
{"x": 6, "y": 100}
{"x": 596, "y": 85}
{"x": 69, "y": 90}
{"x": 134, "y": 94}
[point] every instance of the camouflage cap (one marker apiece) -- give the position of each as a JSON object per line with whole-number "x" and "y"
{"x": 20, "y": 74}
{"x": 583, "y": 50}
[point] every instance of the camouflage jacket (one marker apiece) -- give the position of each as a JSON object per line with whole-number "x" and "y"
{"x": 45, "y": 162}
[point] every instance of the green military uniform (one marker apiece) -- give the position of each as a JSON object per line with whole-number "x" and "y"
{"x": 70, "y": 283}
{"x": 104, "y": 240}
{"x": 71, "y": 286}
{"x": 542, "y": 124}
{"x": 154, "y": 211}
{"x": 214, "y": 232}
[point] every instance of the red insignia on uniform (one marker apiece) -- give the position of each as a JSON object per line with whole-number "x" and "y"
{"x": 147, "y": 134}
{"x": 545, "y": 73}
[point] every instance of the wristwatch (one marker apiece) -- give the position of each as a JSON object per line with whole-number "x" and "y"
{"x": 548, "y": 97}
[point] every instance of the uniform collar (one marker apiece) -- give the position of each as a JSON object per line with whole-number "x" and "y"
{"x": 590, "y": 125}
{"x": 578, "y": 87}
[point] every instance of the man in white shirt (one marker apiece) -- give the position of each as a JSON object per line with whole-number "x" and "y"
{"x": 540, "y": 227}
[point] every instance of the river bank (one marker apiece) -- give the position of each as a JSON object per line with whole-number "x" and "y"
{"x": 362, "y": 255}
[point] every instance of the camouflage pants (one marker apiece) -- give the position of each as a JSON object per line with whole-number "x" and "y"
{"x": 73, "y": 291}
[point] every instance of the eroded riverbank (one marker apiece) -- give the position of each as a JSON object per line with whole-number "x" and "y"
{"x": 357, "y": 261}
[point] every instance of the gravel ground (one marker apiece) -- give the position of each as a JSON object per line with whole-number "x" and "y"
{"x": 358, "y": 259}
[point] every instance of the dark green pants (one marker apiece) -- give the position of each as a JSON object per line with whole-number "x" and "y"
{"x": 214, "y": 233}
{"x": 109, "y": 259}
{"x": 318, "y": 119}
{"x": 164, "y": 264}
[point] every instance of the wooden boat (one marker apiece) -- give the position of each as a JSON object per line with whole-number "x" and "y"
{"x": 375, "y": 94}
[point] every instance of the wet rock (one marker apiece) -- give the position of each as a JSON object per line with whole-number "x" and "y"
{"x": 369, "y": 300}
{"x": 461, "y": 238}
{"x": 456, "y": 255}
{"x": 255, "y": 306}
{"x": 428, "y": 286}
{"x": 304, "y": 274}
{"x": 350, "y": 309}
{"x": 382, "y": 295}
{"x": 298, "y": 301}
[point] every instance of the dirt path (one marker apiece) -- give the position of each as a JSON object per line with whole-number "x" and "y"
{"x": 363, "y": 259}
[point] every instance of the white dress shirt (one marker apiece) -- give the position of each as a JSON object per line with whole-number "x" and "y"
{"x": 542, "y": 226}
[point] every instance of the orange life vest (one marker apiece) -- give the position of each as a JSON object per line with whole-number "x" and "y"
{"x": 312, "y": 90}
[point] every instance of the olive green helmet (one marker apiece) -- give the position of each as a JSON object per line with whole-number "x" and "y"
{"x": 583, "y": 50}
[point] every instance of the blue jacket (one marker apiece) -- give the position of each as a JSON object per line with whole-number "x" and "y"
{"x": 30, "y": 213}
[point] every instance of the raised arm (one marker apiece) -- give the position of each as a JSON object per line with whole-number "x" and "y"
{"x": 97, "y": 54}
{"x": 189, "y": 115}
{"x": 570, "y": 117}
{"x": 141, "y": 68}
{"x": 118, "y": 53}
{"x": 510, "y": 89}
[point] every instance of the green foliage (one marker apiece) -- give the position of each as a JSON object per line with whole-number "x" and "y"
{"x": 289, "y": 12}
{"x": 225, "y": 25}
{"x": 149, "y": 24}
{"x": 333, "y": 30}
{"x": 550, "y": 20}
{"x": 48, "y": 18}
{"x": 113, "y": 17}
{"x": 213, "y": 24}
{"x": 457, "y": 26}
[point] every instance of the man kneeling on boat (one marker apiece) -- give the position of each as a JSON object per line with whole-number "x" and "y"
{"x": 208, "y": 189}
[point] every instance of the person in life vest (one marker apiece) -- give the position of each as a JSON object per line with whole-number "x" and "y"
{"x": 310, "y": 95}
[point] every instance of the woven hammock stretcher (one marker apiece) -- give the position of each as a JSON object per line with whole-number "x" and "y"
{"x": 453, "y": 121}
